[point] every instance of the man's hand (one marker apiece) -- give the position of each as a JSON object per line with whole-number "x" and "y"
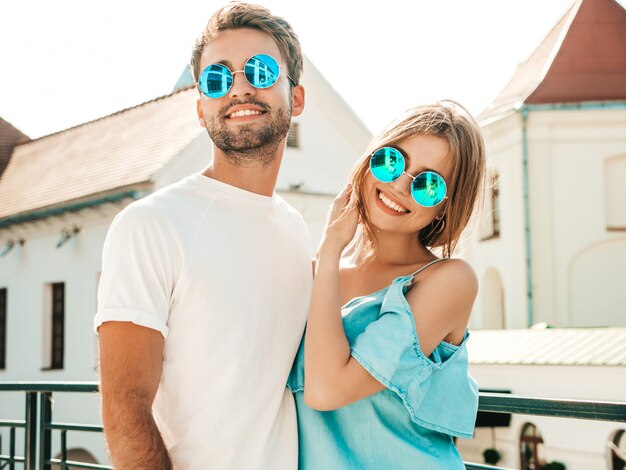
{"x": 131, "y": 361}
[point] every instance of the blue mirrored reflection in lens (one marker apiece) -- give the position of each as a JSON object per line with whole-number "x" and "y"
{"x": 215, "y": 80}
{"x": 428, "y": 189}
{"x": 262, "y": 70}
{"x": 387, "y": 164}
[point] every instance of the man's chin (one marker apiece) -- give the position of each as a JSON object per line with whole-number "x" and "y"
{"x": 241, "y": 142}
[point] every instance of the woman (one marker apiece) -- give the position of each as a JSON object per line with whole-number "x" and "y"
{"x": 381, "y": 381}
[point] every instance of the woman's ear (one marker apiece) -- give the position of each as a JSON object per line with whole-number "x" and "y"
{"x": 443, "y": 209}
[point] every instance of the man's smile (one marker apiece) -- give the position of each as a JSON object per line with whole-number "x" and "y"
{"x": 244, "y": 112}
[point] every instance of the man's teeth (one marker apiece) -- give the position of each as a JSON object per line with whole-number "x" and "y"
{"x": 390, "y": 204}
{"x": 244, "y": 112}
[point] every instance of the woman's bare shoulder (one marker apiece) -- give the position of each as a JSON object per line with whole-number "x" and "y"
{"x": 451, "y": 273}
{"x": 441, "y": 299}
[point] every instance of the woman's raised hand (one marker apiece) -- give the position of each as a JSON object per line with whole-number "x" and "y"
{"x": 341, "y": 222}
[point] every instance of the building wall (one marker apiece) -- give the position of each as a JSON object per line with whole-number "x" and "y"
{"x": 578, "y": 245}
{"x": 502, "y": 255}
{"x": 568, "y": 151}
{"x": 193, "y": 159}
{"x": 313, "y": 209}
{"x": 602, "y": 266}
{"x": 25, "y": 271}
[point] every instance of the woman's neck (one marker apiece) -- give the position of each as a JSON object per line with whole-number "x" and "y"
{"x": 392, "y": 250}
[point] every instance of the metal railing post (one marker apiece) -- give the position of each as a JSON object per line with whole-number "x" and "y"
{"x": 12, "y": 449}
{"x": 30, "y": 432}
{"x": 64, "y": 449}
{"x": 45, "y": 433}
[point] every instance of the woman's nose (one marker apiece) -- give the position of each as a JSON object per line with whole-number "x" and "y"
{"x": 402, "y": 185}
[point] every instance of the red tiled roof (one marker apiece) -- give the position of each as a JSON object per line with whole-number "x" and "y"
{"x": 582, "y": 59}
{"x": 97, "y": 157}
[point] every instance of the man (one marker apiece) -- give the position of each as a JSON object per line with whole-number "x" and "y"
{"x": 206, "y": 283}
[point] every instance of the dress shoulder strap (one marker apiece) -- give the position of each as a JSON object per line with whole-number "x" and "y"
{"x": 428, "y": 264}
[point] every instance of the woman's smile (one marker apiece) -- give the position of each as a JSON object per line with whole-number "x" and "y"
{"x": 390, "y": 205}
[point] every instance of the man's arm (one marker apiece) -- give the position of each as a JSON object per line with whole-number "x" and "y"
{"x": 131, "y": 361}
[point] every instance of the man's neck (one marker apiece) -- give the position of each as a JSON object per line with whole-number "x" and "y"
{"x": 255, "y": 177}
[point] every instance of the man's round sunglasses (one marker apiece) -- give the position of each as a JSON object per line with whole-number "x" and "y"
{"x": 428, "y": 188}
{"x": 261, "y": 71}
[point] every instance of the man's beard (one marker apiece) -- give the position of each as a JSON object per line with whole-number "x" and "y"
{"x": 246, "y": 145}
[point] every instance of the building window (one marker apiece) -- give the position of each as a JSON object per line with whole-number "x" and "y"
{"x": 614, "y": 176}
{"x": 617, "y": 449}
{"x": 3, "y": 327}
{"x": 292, "y": 136}
{"x": 531, "y": 448}
{"x": 54, "y": 326}
{"x": 490, "y": 223}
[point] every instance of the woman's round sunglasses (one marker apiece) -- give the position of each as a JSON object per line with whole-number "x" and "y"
{"x": 261, "y": 71}
{"x": 428, "y": 188}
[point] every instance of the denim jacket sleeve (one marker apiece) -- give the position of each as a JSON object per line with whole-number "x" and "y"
{"x": 437, "y": 391}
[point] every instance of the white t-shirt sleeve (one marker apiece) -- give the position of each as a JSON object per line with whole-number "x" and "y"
{"x": 138, "y": 269}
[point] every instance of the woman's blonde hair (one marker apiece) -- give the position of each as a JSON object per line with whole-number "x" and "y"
{"x": 451, "y": 121}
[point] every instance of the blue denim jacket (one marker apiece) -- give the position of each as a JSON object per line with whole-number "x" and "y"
{"x": 408, "y": 425}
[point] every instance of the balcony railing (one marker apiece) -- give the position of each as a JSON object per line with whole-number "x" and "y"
{"x": 38, "y": 424}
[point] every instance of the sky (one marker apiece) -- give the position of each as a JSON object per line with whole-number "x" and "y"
{"x": 66, "y": 62}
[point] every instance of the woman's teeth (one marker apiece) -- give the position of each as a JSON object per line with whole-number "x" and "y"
{"x": 390, "y": 204}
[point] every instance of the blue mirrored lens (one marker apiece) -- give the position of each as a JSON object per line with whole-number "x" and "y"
{"x": 387, "y": 164}
{"x": 215, "y": 80}
{"x": 262, "y": 71}
{"x": 428, "y": 189}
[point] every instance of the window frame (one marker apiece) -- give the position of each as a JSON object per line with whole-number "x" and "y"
{"x": 54, "y": 326}
{"x": 494, "y": 195}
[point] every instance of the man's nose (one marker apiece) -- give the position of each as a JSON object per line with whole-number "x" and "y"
{"x": 241, "y": 86}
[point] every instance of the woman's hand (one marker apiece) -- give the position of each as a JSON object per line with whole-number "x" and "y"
{"x": 332, "y": 378}
{"x": 341, "y": 222}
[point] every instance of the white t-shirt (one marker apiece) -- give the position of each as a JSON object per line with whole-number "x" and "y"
{"x": 225, "y": 276}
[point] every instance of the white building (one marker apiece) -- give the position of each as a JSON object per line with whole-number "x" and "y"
{"x": 551, "y": 245}
{"x": 59, "y": 193}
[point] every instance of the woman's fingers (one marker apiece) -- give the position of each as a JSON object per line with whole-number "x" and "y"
{"x": 344, "y": 196}
{"x": 341, "y": 204}
{"x": 341, "y": 222}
